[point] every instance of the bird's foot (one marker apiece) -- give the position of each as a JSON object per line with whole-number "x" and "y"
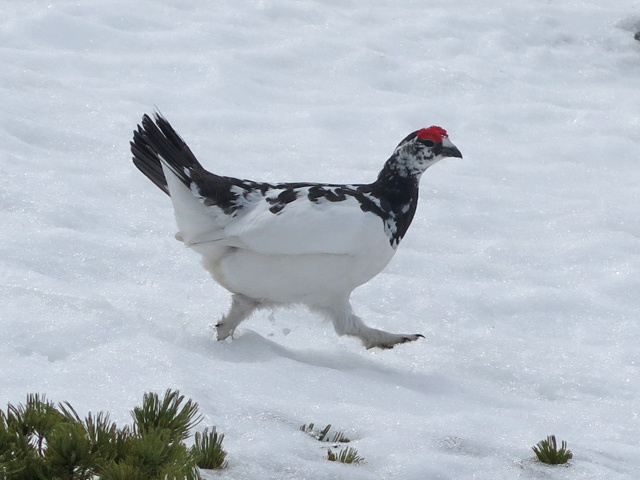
{"x": 390, "y": 340}
{"x": 224, "y": 331}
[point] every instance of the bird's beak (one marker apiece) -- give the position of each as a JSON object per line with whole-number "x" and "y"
{"x": 449, "y": 149}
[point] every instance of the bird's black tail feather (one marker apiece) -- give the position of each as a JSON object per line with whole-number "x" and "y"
{"x": 154, "y": 139}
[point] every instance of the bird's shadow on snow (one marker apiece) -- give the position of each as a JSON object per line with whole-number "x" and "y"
{"x": 250, "y": 347}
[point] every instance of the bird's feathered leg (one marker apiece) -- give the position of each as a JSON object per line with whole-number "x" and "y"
{"x": 241, "y": 308}
{"x": 346, "y": 322}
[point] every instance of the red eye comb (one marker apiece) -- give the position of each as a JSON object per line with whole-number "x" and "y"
{"x": 434, "y": 133}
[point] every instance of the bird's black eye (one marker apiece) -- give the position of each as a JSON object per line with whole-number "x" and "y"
{"x": 426, "y": 142}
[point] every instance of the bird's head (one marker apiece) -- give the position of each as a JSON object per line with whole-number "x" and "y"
{"x": 421, "y": 149}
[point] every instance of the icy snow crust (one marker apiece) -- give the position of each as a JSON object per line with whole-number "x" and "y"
{"x": 521, "y": 267}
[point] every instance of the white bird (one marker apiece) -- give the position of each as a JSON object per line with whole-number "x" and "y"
{"x": 281, "y": 244}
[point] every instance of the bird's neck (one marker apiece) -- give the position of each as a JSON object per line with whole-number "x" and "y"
{"x": 400, "y": 193}
{"x": 397, "y": 180}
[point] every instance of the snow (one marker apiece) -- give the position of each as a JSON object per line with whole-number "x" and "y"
{"x": 522, "y": 266}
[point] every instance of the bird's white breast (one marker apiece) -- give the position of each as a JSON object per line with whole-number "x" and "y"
{"x": 311, "y": 279}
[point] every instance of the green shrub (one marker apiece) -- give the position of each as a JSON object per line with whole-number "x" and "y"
{"x": 208, "y": 449}
{"x": 323, "y": 435}
{"x": 346, "y": 455}
{"x": 166, "y": 415}
{"x": 40, "y": 440}
{"x": 547, "y": 451}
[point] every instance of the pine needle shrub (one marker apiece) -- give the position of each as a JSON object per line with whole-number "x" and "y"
{"x": 156, "y": 455}
{"x": 208, "y": 449}
{"x": 547, "y": 451}
{"x": 323, "y": 435}
{"x": 34, "y": 421}
{"x": 121, "y": 471}
{"x": 166, "y": 414}
{"x": 69, "y": 451}
{"x": 39, "y": 440}
{"x": 107, "y": 441}
{"x": 346, "y": 455}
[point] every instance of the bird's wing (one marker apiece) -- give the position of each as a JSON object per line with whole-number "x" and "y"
{"x": 275, "y": 219}
{"x": 306, "y": 227}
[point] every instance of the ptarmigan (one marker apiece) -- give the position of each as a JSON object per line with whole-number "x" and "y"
{"x": 291, "y": 243}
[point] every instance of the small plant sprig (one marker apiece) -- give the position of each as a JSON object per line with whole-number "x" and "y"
{"x": 208, "y": 449}
{"x": 323, "y": 435}
{"x": 547, "y": 451}
{"x": 346, "y": 455}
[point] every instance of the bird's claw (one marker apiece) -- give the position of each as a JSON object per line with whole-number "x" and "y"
{"x": 396, "y": 341}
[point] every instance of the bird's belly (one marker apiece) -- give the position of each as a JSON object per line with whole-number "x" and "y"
{"x": 314, "y": 279}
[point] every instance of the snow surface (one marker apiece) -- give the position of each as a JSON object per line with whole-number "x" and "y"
{"x": 522, "y": 266}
